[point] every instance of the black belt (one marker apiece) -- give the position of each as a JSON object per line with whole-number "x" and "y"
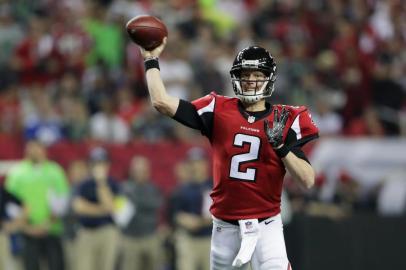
{"x": 235, "y": 221}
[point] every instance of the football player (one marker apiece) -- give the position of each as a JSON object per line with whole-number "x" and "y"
{"x": 254, "y": 143}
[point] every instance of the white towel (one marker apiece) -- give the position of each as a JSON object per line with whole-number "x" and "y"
{"x": 249, "y": 230}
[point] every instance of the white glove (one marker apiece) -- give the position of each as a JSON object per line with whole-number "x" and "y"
{"x": 249, "y": 230}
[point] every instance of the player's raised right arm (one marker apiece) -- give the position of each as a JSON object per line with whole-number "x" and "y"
{"x": 160, "y": 99}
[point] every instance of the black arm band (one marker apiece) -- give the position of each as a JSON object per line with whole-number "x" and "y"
{"x": 151, "y": 63}
{"x": 282, "y": 152}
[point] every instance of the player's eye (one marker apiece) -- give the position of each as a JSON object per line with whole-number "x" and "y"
{"x": 252, "y": 76}
{"x": 259, "y": 76}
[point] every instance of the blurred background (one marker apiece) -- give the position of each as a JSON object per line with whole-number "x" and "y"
{"x": 73, "y": 98}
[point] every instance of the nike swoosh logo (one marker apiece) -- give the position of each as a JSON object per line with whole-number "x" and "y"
{"x": 268, "y": 221}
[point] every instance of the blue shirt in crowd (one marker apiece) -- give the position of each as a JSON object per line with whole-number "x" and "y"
{"x": 88, "y": 190}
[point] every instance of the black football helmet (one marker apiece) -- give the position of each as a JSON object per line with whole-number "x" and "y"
{"x": 253, "y": 58}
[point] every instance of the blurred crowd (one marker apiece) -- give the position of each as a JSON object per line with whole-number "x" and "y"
{"x": 69, "y": 72}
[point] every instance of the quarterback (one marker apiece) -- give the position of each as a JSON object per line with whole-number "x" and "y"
{"x": 254, "y": 143}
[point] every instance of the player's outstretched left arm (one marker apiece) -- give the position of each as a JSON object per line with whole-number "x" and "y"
{"x": 160, "y": 99}
{"x": 299, "y": 169}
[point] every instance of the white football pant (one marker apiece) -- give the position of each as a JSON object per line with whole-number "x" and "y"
{"x": 270, "y": 250}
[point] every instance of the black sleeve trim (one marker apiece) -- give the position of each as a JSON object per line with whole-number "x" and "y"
{"x": 290, "y": 137}
{"x": 295, "y": 145}
{"x": 187, "y": 115}
{"x": 304, "y": 140}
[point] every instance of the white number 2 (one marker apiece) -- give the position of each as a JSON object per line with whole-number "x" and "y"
{"x": 252, "y": 155}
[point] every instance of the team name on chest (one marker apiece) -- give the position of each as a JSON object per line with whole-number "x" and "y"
{"x": 250, "y": 129}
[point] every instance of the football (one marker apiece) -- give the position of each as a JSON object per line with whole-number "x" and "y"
{"x": 147, "y": 31}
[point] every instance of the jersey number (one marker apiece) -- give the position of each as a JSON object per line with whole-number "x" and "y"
{"x": 252, "y": 155}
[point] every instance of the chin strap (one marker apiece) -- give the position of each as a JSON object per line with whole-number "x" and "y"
{"x": 249, "y": 230}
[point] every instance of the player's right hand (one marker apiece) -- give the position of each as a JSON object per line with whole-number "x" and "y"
{"x": 155, "y": 53}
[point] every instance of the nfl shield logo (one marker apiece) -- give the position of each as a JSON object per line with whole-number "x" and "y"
{"x": 248, "y": 225}
{"x": 251, "y": 119}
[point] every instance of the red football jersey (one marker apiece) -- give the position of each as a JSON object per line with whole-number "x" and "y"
{"x": 247, "y": 173}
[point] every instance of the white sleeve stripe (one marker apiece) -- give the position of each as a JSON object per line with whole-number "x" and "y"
{"x": 296, "y": 128}
{"x": 208, "y": 108}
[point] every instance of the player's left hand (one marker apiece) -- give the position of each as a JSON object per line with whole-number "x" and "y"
{"x": 275, "y": 134}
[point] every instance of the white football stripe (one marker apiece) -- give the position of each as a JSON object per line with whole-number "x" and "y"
{"x": 208, "y": 108}
{"x": 296, "y": 128}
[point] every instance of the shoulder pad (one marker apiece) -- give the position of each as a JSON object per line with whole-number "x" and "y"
{"x": 300, "y": 122}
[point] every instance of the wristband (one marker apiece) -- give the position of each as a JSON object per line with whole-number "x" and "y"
{"x": 282, "y": 151}
{"x": 151, "y": 63}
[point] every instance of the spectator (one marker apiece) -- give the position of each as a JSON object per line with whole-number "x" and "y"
{"x": 191, "y": 215}
{"x": 151, "y": 127}
{"x": 107, "y": 126}
{"x": 43, "y": 123}
{"x": 367, "y": 124}
{"x": 97, "y": 85}
{"x": 182, "y": 174}
{"x": 177, "y": 71}
{"x": 10, "y": 111}
{"x": 107, "y": 36}
{"x": 142, "y": 243}
{"x": 11, "y": 222}
{"x": 69, "y": 86}
{"x": 70, "y": 40}
{"x": 35, "y": 59}
{"x": 389, "y": 102}
{"x": 128, "y": 106}
{"x": 78, "y": 171}
{"x": 328, "y": 121}
{"x": 97, "y": 242}
{"x": 42, "y": 187}
{"x": 75, "y": 120}
{"x": 206, "y": 75}
{"x": 10, "y": 34}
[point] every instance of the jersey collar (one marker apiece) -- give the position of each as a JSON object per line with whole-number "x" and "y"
{"x": 252, "y": 117}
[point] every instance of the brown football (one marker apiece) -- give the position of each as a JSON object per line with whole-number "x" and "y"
{"x": 146, "y": 31}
